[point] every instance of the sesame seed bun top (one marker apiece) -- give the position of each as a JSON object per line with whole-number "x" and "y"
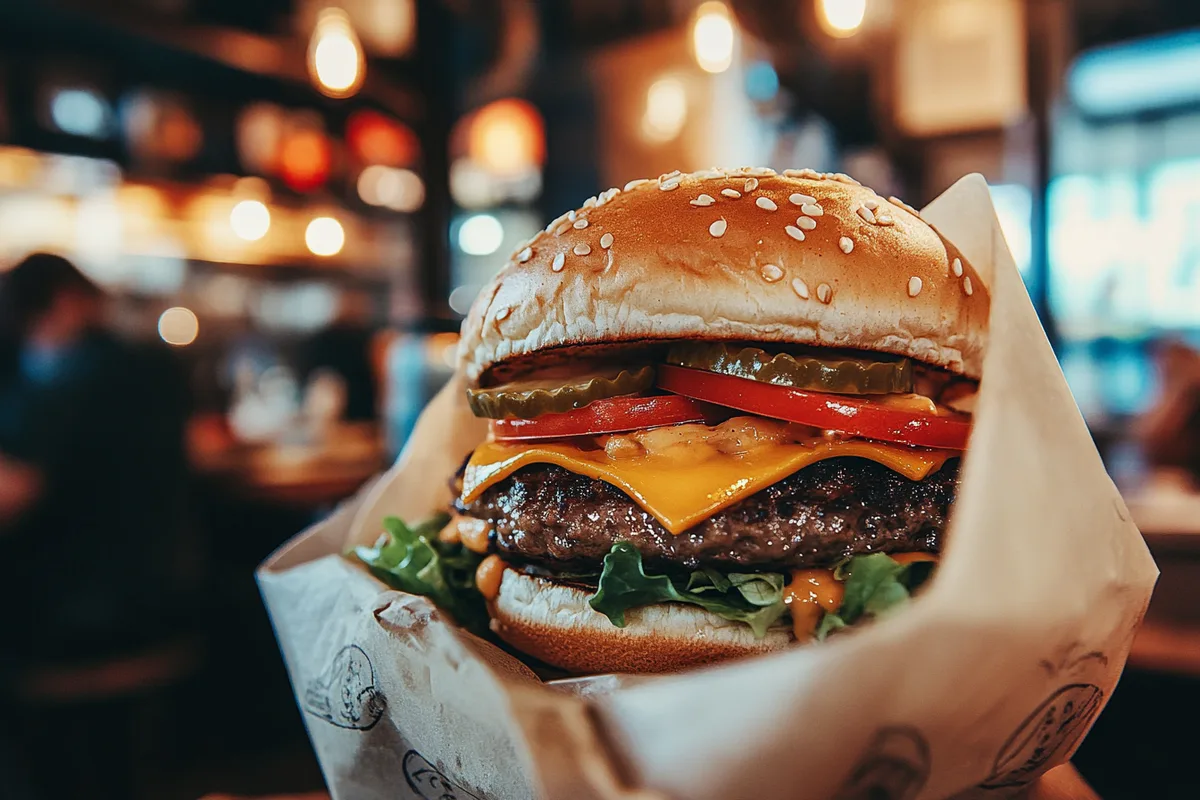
{"x": 749, "y": 255}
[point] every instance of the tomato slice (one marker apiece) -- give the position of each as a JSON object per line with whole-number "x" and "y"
{"x": 613, "y": 415}
{"x": 857, "y": 416}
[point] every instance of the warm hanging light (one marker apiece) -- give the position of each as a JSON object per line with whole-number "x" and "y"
{"x": 713, "y": 37}
{"x": 842, "y": 18}
{"x": 335, "y": 55}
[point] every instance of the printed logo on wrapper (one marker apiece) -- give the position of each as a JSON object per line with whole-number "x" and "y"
{"x": 427, "y": 781}
{"x": 894, "y": 767}
{"x": 345, "y": 692}
{"x": 1053, "y": 727}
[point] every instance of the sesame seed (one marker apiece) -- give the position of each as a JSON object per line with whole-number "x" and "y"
{"x": 765, "y": 203}
{"x": 847, "y": 244}
{"x": 871, "y": 204}
{"x": 914, "y": 286}
{"x": 824, "y": 293}
{"x": 525, "y": 255}
{"x": 812, "y": 209}
{"x": 956, "y": 267}
{"x": 580, "y": 224}
{"x": 635, "y": 183}
{"x": 560, "y": 261}
{"x": 703, "y": 200}
{"x": 967, "y": 286}
{"x": 562, "y": 229}
{"x": 801, "y": 199}
{"x": 709, "y": 173}
{"x": 795, "y": 233}
{"x": 885, "y": 220}
{"x": 866, "y": 213}
{"x": 591, "y": 202}
{"x": 806, "y": 223}
{"x": 668, "y": 185}
{"x": 734, "y": 193}
{"x": 811, "y": 174}
{"x": 771, "y": 272}
{"x": 718, "y": 228}
{"x": 571, "y": 215}
{"x": 606, "y": 241}
{"x": 762, "y": 172}
{"x": 843, "y": 177}
{"x": 609, "y": 195}
{"x": 503, "y": 313}
{"x": 556, "y": 222}
{"x": 750, "y": 185}
{"x": 582, "y": 249}
{"x": 800, "y": 288}
{"x": 666, "y": 176}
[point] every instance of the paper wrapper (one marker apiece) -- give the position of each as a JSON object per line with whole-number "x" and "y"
{"x": 991, "y": 676}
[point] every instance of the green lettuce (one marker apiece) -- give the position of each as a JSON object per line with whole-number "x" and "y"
{"x": 753, "y": 598}
{"x": 876, "y": 585}
{"x": 414, "y": 560}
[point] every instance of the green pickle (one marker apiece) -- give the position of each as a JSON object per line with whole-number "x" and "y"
{"x": 840, "y": 375}
{"x": 527, "y": 399}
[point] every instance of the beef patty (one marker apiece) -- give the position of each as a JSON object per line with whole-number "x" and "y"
{"x": 553, "y": 519}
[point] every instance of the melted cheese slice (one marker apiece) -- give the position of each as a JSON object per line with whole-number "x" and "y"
{"x": 682, "y": 485}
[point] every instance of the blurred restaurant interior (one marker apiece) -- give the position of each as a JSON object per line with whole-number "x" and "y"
{"x": 289, "y": 206}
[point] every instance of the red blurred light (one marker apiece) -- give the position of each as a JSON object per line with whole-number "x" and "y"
{"x": 305, "y": 159}
{"x": 377, "y": 139}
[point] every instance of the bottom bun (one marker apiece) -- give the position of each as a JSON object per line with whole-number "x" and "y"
{"x": 554, "y": 623}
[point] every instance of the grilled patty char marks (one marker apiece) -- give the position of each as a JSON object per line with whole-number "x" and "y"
{"x": 554, "y": 519}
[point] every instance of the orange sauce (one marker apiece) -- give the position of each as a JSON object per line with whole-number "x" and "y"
{"x": 473, "y": 533}
{"x": 488, "y": 575}
{"x": 449, "y": 534}
{"x": 810, "y": 595}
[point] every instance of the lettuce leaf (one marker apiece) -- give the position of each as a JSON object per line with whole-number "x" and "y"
{"x": 414, "y": 560}
{"x": 753, "y": 598}
{"x": 876, "y": 585}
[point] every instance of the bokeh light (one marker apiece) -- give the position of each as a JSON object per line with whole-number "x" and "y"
{"x": 335, "y": 56}
{"x": 842, "y": 18}
{"x": 713, "y": 37}
{"x": 80, "y": 112}
{"x": 324, "y": 236}
{"x": 480, "y": 235}
{"x": 178, "y": 326}
{"x": 507, "y": 137}
{"x": 666, "y": 110}
{"x": 250, "y": 220}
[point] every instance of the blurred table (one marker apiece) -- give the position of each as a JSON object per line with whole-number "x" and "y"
{"x": 293, "y": 474}
{"x": 1168, "y": 513}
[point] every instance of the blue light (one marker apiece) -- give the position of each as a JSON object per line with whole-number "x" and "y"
{"x": 79, "y": 112}
{"x": 1158, "y": 72}
{"x": 762, "y": 83}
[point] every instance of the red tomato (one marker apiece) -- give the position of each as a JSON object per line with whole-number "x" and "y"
{"x": 855, "y": 415}
{"x": 614, "y": 415}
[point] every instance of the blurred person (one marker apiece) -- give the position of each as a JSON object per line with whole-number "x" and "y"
{"x": 92, "y": 477}
{"x": 1170, "y": 430}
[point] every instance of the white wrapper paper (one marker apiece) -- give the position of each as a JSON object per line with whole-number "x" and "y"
{"x": 991, "y": 677}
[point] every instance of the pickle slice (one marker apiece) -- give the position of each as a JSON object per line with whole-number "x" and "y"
{"x": 531, "y": 398}
{"x": 838, "y": 375}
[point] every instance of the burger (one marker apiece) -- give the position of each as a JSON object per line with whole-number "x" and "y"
{"x": 726, "y": 410}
